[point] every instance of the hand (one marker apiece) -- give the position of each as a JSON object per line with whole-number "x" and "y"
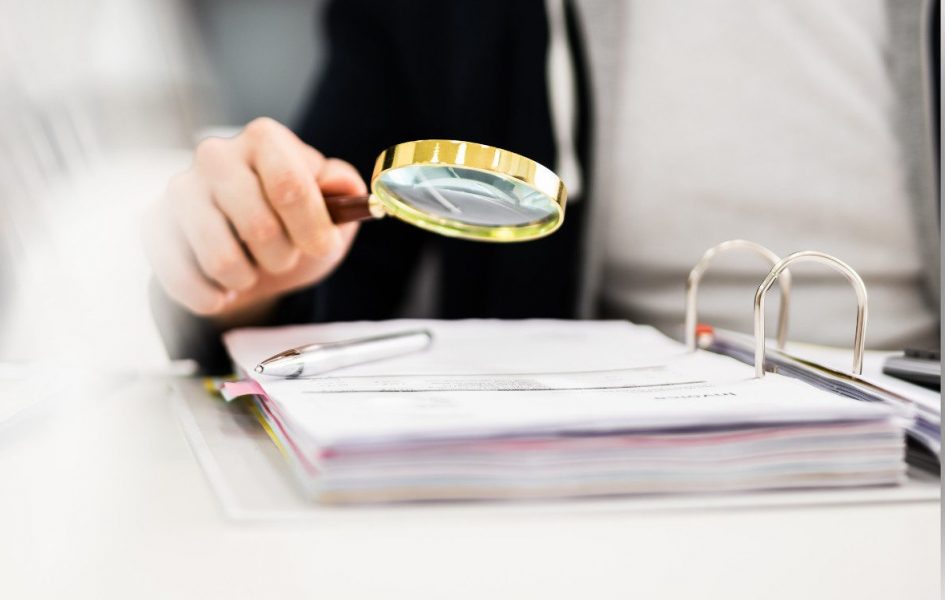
{"x": 247, "y": 223}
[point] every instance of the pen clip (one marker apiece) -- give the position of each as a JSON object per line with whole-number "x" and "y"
{"x": 290, "y": 353}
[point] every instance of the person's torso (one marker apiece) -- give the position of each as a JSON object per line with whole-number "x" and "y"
{"x": 765, "y": 121}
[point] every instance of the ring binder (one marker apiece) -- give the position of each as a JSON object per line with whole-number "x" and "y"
{"x": 859, "y": 337}
{"x": 695, "y": 276}
{"x": 923, "y": 413}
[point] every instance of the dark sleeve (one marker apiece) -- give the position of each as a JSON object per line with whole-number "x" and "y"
{"x": 188, "y": 336}
{"x": 365, "y": 102}
{"x": 351, "y": 115}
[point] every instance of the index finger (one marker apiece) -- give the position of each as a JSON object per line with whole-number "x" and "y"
{"x": 282, "y": 165}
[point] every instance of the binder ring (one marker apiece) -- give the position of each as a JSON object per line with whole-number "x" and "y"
{"x": 859, "y": 337}
{"x": 695, "y": 276}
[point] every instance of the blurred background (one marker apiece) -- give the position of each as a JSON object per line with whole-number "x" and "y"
{"x": 100, "y": 100}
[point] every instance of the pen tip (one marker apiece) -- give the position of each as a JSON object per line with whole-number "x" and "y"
{"x": 259, "y": 368}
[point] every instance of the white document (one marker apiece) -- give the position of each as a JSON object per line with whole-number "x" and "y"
{"x": 496, "y": 378}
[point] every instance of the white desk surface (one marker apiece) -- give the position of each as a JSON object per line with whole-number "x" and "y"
{"x": 101, "y": 497}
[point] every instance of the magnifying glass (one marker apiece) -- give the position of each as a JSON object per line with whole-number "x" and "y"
{"x": 460, "y": 189}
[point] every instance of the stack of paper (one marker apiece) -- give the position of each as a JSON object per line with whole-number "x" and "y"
{"x": 531, "y": 409}
{"x": 825, "y": 368}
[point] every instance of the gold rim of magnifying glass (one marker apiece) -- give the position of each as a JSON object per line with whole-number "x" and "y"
{"x": 479, "y": 157}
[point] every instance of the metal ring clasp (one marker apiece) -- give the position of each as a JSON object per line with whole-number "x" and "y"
{"x": 695, "y": 276}
{"x": 859, "y": 337}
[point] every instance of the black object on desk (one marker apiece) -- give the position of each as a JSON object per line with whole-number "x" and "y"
{"x": 923, "y": 367}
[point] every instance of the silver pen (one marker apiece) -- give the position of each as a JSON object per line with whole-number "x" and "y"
{"x": 313, "y": 359}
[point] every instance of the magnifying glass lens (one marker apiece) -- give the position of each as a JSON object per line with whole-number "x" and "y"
{"x": 459, "y": 189}
{"x": 467, "y": 196}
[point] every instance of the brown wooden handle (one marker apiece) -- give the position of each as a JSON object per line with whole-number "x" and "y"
{"x": 347, "y": 209}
